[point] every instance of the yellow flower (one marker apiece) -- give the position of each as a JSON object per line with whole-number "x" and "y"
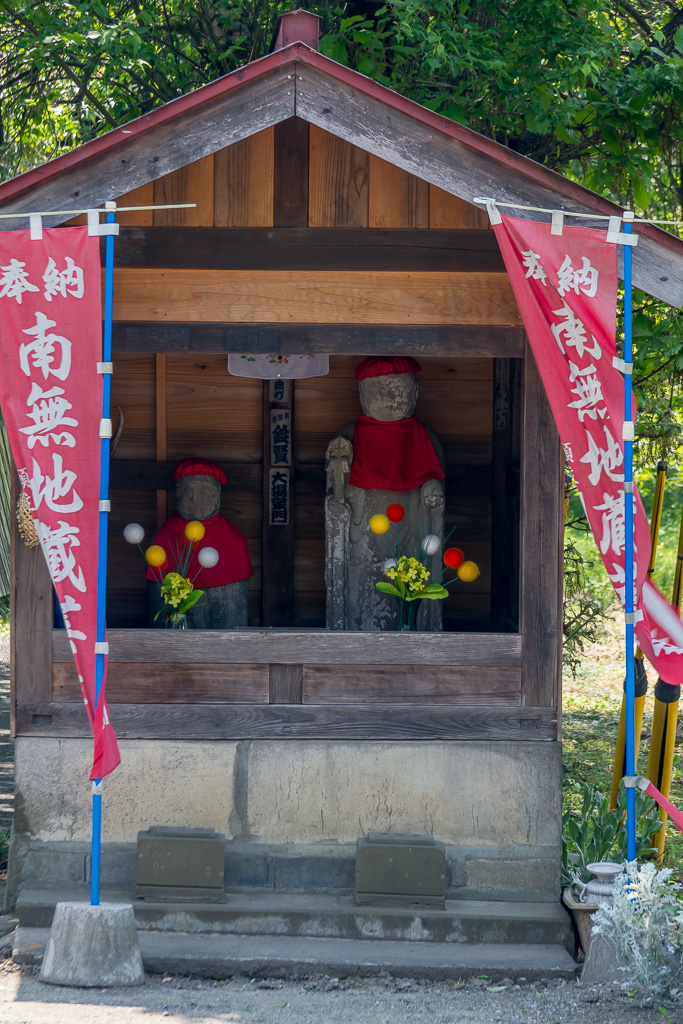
{"x": 195, "y": 530}
{"x": 409, "y": 571}
{"x": 379, "y": 523}
{"x": 155, "y": 555}
{"x": 468, "y": 572}
{"x": 175, "y": 588}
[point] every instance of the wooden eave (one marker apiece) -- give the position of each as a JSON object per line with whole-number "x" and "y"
{"x": 298, "y": 81}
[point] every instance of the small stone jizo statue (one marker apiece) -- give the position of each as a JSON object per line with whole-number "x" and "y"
{"x": 198, "y": 485}
{"x": 386, "y": 456}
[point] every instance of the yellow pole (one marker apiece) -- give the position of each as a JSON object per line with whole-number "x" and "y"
{"x": 619, "y": 769}
{"x": 664, "y": 719}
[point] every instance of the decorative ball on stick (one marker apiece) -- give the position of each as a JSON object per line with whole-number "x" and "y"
{"x": 379, "y": 523}
{"x": 208, "y": 558}
{"x": 195, "y": 531}
{"x": 134, "y": 533}
{"x": 453, "y": 558}
{"x": 155, "y": 555}
{"x": 430, "y": 545}
{"x": 468, "y": 572}
{"x": 395, "y": 512}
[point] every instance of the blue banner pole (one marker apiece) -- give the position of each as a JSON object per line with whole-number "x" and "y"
{"x": 96, "y": 847}
{"x": 629, "y": 688}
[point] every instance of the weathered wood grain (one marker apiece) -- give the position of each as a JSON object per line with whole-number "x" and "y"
{"x": 337, "y": 183}
{"x": 256, "y": 105}
{"x": 285, "y": 684}
{"x": 410, "y": 684}
{"x": 290, "y": 195}
{"x": 192, "y": 183}
{"x": 296, "y": 248}
{"x": 467, "y": 340}
{"x": 542, "y": 528}
{"x": 161, "y": 427}
{"x": 505, "y": 493}
{"x": 142, "y": 196}
{"x": 282, "y": 296}
{"x": 277, "y": 591}
{"x": 294, "y": 721}
{"x": 448, "y": 211}
{"x": 137, "y": 683}
{"x": 462, "y": 170}
{"x": 243, "y": 183}
{"x": 317, "y": 647}
{"x": 396, "y": 199}
{"x": 30, "y": 613}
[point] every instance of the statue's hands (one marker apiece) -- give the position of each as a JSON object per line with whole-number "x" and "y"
{"x": 432, "y": 494}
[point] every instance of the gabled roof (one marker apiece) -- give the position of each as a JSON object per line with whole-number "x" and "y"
{"x": 296, "y": 80}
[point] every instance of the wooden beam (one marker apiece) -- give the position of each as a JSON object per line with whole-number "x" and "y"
{"x": 284, "y": 296}
{"x": 160, "y": 413}
{"x": 168, "y": 683}
{"x": 315, "y": 647}
{"x": 30, "y": 614}
{"x": 403, "y": 140}
{"x": 410, "y": 684}
{"x": 456, "y": 339}
{"x": 311, "y": 249}
{"x": 541, "y": 563}
{"x": 138, "y": 159}
{"x": 505, "y": 526}
{"x": 290, "y": 192}
{"x": 294, "y": 721}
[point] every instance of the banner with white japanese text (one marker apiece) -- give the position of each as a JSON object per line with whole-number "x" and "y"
{"x": 566, "y": 289}
{"x": 51, "y": 400}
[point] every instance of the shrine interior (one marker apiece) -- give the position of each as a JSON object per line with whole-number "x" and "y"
{"x": 472, "y": 404}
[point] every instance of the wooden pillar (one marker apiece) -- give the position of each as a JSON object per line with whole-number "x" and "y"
{"x": 30, "y": 617}
{"x": 505, "y": 540}
{"x": 278, "y": 503}
{"x": 541, "y": 563}
{"x": 160, "y": 387}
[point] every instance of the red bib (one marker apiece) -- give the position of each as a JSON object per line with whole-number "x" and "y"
{"x": 393, "y": 455}
{"x": 233, "y": 555}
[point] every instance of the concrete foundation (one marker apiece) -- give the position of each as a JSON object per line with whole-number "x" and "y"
{"x": 293, "y": 810}
{"x": 93, "y": 946}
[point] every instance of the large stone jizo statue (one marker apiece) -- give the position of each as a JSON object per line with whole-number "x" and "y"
{"x": 198, "y": 485}
{"x": 386, "y": 456}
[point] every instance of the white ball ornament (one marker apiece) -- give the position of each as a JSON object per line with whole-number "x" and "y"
{"x": 207, "y": 558}
{"x": 389, "y": 564}
{"x": 134, "y": 533}
{"x": 430, "y": 544}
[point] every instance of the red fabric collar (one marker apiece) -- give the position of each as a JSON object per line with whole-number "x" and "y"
{"x": 233, "y": 555}
{"x": 393, "y": 455}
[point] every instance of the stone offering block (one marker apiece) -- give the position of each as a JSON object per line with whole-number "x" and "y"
{"x": 394, "y": 870}
{"x": 181, "y": 864}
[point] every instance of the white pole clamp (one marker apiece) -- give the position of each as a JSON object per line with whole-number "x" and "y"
{"x": 492, "y": 210}
{"x": 95, "y": 228}
{"x": 97, "y": 787}
{"x": 621, "y": 366}
{"x": 628, "y": 431}
{"x": 105, "y": 367}
{"x": 101, "y": 647}
{"x": 105, "y": 506}
{"x": 105, "y": 428}
{"x": 35, "y": 221}
{"x": 557, "y": 222}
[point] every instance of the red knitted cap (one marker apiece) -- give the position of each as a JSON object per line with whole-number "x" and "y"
{"x": 200, "y": 467}
{"x": 384, "y": 366}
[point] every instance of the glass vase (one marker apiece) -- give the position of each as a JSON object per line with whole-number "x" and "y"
{"x": 177, "y": 620}
{"x": 407, "y": 616}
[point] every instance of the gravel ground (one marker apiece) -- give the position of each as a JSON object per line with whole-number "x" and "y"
{"x": 24, "y": 1000}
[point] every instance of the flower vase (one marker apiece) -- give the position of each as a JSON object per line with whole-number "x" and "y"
{"x": 407, "y": 616}
{"x": 177, "y": 620}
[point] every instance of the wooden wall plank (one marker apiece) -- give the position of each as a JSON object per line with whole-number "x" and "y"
{"x": 410, "y": 684}
{"x": 542, "y": 528}
{"x": 338, "y": 183}
{"x": 133, "y": 383}
{"x": 291, "y": 156}
{"x": 277, "y": 590}
{"x": 294, "y": 721}
{"x": 160, "y": 407}
{"x": 167, "y": 683}
{"x": 466, "y": 340}
{"x": 447, "y": 211}
{"x": 280, "y": 296}
{"x": 243, "y": 182}
{"x": 285, "y": 684}
{"x": 142, "y": 196}
{"x": 30, "y": 612}
{"x": 396, "y": 199}
{"x": 192, "y": 183}
{"x": 289, "y": 647}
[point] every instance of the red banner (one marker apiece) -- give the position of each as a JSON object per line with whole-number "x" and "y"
{"x": 51, "y": 399}
{"x": 566, "y": 288}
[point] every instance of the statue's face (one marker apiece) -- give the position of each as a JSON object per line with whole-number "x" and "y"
{"x": 197, "y": 497}
{"x": 392, "y": 397}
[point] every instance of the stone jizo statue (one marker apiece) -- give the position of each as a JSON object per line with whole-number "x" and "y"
{"x": 198, "y": 485}
{"x": 386, "y": 456}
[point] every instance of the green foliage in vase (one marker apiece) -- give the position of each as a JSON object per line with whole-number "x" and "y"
{"x": 597, "y": 833}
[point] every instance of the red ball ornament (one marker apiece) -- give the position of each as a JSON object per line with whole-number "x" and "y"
{"x": 453, "y": 558}
{"x": 395, "y": 512}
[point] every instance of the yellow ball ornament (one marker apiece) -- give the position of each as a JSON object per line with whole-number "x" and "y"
{"x": 468, "y": 572}
{"x": 379, "y": 523}
{"x": 195, "y": 531}
{"x": 155, "y": 555}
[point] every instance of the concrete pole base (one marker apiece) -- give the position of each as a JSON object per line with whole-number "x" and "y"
{"x": 93, "y": 947}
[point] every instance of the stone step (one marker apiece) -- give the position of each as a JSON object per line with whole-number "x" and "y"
{"x": 325, "y": 916}
{"x": 223, "y": 956}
